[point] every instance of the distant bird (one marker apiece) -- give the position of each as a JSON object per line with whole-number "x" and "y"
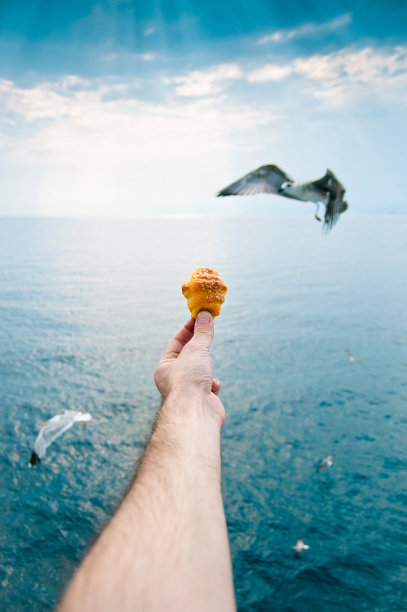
{"x": 300, "y": 546}
{"x": 271, "y": 179}
{"x": 327, "y": 462}
{"x": 353, "y": 358}
{"x": 52, "y": 429}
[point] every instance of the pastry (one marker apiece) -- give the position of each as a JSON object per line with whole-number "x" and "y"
{"x": 205, "y": 290}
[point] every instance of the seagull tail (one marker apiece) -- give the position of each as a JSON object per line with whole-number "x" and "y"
{"x": 34, "y": 459}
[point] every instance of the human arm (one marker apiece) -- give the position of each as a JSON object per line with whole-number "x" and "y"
{"x": 167, "y": 548}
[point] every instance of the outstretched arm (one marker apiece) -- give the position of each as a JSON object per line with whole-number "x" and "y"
{"x": 167, "y": 548}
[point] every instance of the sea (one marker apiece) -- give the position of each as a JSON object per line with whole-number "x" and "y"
{"x": 311, "y": 350}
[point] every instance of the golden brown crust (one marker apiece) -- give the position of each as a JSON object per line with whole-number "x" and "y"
{"x": 205, "y": 290}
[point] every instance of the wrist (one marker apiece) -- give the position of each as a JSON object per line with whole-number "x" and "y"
{"x": 183, "y": 401}
{"x": 194, "y": 405}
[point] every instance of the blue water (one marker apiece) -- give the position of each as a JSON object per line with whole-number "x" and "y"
{"x": 86, "y": 308}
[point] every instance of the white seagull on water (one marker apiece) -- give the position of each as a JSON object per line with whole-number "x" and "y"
{"x": 352, "y": 358}
{"x": 300, "y": 546}
{"x": 327, "y": 462}
{"x": 271, "y": 179}
{"x": 52, "y": 429}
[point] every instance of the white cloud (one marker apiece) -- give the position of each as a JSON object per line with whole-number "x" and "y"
{"x": 72, "y": 81}
{"x": 308, "y": 29}
{"x": 205, "y": 82}
{"x": 83, "y": 118}
{"x": 346, "y": 76}
{"x": 337, "y": 78}
{"x": 93, "y": 146}
{"x": 269, "y": 72}
{"x": 39, "y": 102}
{"x": 342, "y": 77}
{"x": 370, "y": 66}
{"x": 364, "y": 66}
{"x": 91, "y": 150}
{"x": 319, "y": 67}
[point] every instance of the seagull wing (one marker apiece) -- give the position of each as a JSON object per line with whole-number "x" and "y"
{"x": 80, "y": 417}
{"x": 53, "y": 428}
{"x": 266, "y": 179}
{"x": 336, "y": 204}
{"x": 334, "y": 208}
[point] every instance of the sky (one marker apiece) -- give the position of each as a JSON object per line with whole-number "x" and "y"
{"x": 133, "y": 107}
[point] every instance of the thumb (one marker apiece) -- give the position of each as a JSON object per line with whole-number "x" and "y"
{"x": 203, "y": 330}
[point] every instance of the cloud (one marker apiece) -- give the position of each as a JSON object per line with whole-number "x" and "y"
{"x": 92, "y": 142}
{"x": 343, "y": 77}
{"x": 89, "y": 150}
{"x": 39, "y": 102}
{"x": 205, "y": 82}
{"x": 126, "y": 121}
{"x": 336, "y": 79}
{"x": 319, "y": 67}
{"x": 67, "y": 97}
{"x": 73, "y": 81}
{"x": 308, "y": 29}
{"x": 269, "y": 72}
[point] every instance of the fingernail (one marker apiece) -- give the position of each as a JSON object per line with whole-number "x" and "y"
{"x": 203, "y": 317}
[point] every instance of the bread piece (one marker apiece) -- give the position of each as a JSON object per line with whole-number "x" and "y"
{"x": 205, "y": 290}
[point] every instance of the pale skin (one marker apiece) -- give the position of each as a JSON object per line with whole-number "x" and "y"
{"x": 166, "y": 547}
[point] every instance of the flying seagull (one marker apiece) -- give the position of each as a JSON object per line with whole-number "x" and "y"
{"x": 300, "y": 546}
{"x": 327, "y": 462}
{"x": 271, "y": 179}
{"x": 52, "y": 429}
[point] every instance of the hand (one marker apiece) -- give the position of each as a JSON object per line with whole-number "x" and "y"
{"x": 185, "y": 369}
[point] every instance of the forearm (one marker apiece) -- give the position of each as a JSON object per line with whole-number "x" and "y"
{"x": 167, "y": 546}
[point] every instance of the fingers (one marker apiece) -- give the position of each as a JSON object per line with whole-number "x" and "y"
{"x": 203, "y": 331}
{"x": 177, "y": 343}
{"x": 216, "y": 386}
